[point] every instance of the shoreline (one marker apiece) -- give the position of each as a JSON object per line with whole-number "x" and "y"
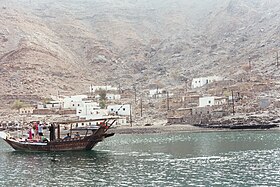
{"x": 176, "y": 128}
{"x": 161, "y": 129}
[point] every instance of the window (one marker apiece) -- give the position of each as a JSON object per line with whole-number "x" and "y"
{"x": 209, "y": 102}
{"x": 78, "y": 104}
{"x": 123, "y": 109}
{"x": 73, "y": 105}
{"x": 112, "y": 109}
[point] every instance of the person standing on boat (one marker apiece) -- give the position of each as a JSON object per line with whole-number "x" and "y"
{"x": 30, "y": 134}
{"x": 40, "y": 130}
{"x": 52, "y": 132}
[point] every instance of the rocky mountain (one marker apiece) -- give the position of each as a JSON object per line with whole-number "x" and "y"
{"x": 53, "y": 45}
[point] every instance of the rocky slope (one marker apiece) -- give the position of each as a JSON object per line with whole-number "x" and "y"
{"x": 53, "y": 45}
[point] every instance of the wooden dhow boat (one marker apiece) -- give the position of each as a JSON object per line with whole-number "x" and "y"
{"x": 92, "y": 135}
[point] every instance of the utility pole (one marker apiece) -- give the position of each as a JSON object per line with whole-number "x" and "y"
{"x": 167, "y": 100}
{"x": 157, "y": 92}
{"x": 141, "y": 107}
{"x": 130, "y": 115}
{"x": 233, "y": 112}
{"x": 250, "y": 65}
{"x": 120, "y": 91}
{"x": 134, "y": 87}
{"x": 277, "y": 58}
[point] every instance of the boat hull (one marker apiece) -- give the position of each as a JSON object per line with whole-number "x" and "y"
{"x": 73, "y": 144}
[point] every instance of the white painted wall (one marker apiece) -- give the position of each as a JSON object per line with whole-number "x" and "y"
{"x": 113, "y": 96}
{"x": 199, "y": 82}
{"x": 211, "y": 100}
{"x": 121, "y": 122}
{"x": 220, "y": 101}
{"x": 101, "y": 114}
{"x": 73, "y": 102}
{"x": 122, "y": 110}
{"x": 107, "y": 88}
{"x": 156, "y": 93}
{"x": 87, "y": 108}
{"x": 51, "y": 105}
{"x": 110, "y": 96}
{"x": 206, "y": 101}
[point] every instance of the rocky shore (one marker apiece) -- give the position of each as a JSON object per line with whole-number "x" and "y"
{"x": 176, "y": 128}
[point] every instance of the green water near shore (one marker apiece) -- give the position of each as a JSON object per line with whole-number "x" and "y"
{"x": 247, "y": 158}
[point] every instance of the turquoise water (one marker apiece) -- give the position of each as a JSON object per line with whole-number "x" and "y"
{"x": 179, "y": 159}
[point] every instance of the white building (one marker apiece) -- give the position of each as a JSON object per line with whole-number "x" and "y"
{"x": 121, "y": 110}
{"x": 122, "y": 121}
{"x": 113, "y": 96}
{"x": 88, "y": 108}
{"x": 51, "y": 105}
{"x": 107, "y": 88}
{"x": 211, "y": 100}
{"x": 157, "y": 93}
{"x": 199, "y": 82}
{"x": 110, "y": 96}
{"x": 73, "y": 102}
{"x": 26, "y": 110}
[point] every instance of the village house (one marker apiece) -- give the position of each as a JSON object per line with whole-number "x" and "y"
{"x": 106, "y": 88}
{"x": 193, "y": 115}
{"x": 180, "y": 112}
{"x": 72, "y": 102}
{"x": 110, "y": 96}
{"x": 113, "y": 96}
{"x": 89, "y": 109}
{"x": 191, "y": 100}
{"x": 122, "y": 121}
{"x": 212, "y": 100}
{"x": 121, "y": 110}
{"x": 50, "y": 105}
{"x": 26, "y": 110}
{"x": 202, "y": 110}
{"x": 157, "y": 93}
{"x": 199, "y": 82}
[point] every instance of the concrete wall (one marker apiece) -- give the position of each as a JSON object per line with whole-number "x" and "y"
{"x": 206, "y": 101}
{"x": 199, "y": 82}
{"x": 122, "y": 110}
{"x": 73, "y": 102}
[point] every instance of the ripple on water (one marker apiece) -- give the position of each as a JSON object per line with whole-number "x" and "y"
{"x": 186, "y": 159}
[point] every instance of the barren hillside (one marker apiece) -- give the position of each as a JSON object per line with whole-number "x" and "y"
{"x": 49, "y": 46}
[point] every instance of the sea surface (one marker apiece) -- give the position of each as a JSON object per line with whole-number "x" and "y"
{"x": 246, "y": 158}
